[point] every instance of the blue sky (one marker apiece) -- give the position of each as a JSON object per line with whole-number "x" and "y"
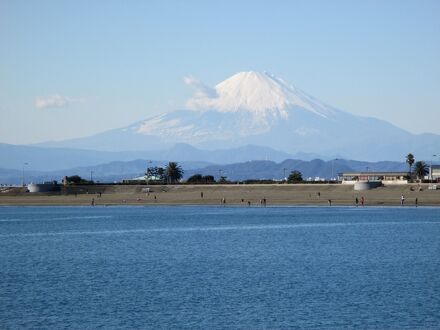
{"x": 74, "y": 68}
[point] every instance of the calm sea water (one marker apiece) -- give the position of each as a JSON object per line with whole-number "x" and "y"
{"x": 214, "y": 267}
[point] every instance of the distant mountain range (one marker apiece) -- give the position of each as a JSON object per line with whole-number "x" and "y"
{"x": 108, "y": 172}
{"x": 259, "y": 109}
{"x": 260, "y": 169}
{"x": 52, "y": 159}
{"x": 309, "y": 169}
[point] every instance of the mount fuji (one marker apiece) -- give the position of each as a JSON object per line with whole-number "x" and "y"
{"x": 253, "y": 108}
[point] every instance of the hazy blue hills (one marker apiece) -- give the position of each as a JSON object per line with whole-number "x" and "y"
{"x": 309, "y": 169}
{"x": 51, "y": 159}
{"x": 118, "y": 170}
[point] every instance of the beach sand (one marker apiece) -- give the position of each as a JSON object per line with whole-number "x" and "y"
{"x": 277, "y": 194}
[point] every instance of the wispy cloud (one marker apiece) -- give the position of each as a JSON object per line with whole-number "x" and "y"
{"x": 54, "y": 101}
{"x": 202, "y": 90}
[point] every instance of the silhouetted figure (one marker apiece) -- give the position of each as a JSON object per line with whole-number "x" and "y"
{"x": 249, "y": 203}
{"x": 362, "y": 200}
{"x": 329, "y": 202}
{"x": 402, "y": 200}
{"x": 356, "y": 201}
{"x": 201, "y": 194}
{"x": 417, "y": 202}
{"x": 93, "y": 202}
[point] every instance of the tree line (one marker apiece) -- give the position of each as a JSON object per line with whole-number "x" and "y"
{"x": 173, "y": 173}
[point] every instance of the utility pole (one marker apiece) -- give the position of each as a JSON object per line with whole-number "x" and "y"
{"x": 22, "y": 174}
{"x": 91, "y": 176}
{"x": 333, "y": 161}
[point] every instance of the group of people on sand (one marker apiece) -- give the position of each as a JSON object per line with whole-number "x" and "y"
{"x": 402, "y": 201}
{"x": 263, "y": 201}
{"x": 356, "y": 201}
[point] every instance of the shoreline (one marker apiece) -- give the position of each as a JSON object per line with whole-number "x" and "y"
{"x": 305, "y": 195}
{"x": 230, "y": 206}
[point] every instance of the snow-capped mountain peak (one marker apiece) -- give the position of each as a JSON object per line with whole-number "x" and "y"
{"x": 246, "y": 104}
{"x": 262, "y": 94}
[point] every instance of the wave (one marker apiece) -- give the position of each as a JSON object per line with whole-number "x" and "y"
{"x": 214, "y": 228}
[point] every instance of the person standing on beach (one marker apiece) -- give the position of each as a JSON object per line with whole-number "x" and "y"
{"x": 201, "y": 194}
{"x": 417, "y": 202}
{"x": 329, "y": 202}
{"x": 356, "y": 201}
{"x": 362, "y": 200}
{"x": 93, "y": 202}
{"x": 402, "y": 200}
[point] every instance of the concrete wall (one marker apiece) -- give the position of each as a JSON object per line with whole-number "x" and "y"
{"x": 390, "y": 182}
{"x": 43, "y": 187}
{"x": 367, "y": 185}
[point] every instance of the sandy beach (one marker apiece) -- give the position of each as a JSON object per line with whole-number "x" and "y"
{"x": 245, "y": 195}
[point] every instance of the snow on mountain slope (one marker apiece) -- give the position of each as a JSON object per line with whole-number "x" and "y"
{"x": 248, "y": 103}
{"x": 262, "y": 94}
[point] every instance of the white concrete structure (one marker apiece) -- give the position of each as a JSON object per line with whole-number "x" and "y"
{"x": 385, "y": 178}
{"x": 43, "y": 187}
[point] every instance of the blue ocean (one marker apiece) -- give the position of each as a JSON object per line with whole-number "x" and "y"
{"x": 219, "y": 267}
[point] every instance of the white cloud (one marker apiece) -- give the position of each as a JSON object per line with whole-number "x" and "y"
{"x": 54, "y": 101}
{"x": 202, "y": 90}
{"x": 203, "y": 96}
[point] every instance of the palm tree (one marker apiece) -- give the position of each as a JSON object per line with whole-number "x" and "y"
{"x": 410, "y": 162}
{"x": 173, "y": 172}
{"x": 420, "y": 169}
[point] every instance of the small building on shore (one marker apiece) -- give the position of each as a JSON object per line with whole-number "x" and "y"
{"x": 434, "y": 173}
{"x": 385, "y": 178}
{"x": 144, "y": 179}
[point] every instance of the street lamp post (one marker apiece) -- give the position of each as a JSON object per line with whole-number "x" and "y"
{"x": 333, "y": 161}
{"x": 22, "y": 174}
{"x": 430, "y": 170}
